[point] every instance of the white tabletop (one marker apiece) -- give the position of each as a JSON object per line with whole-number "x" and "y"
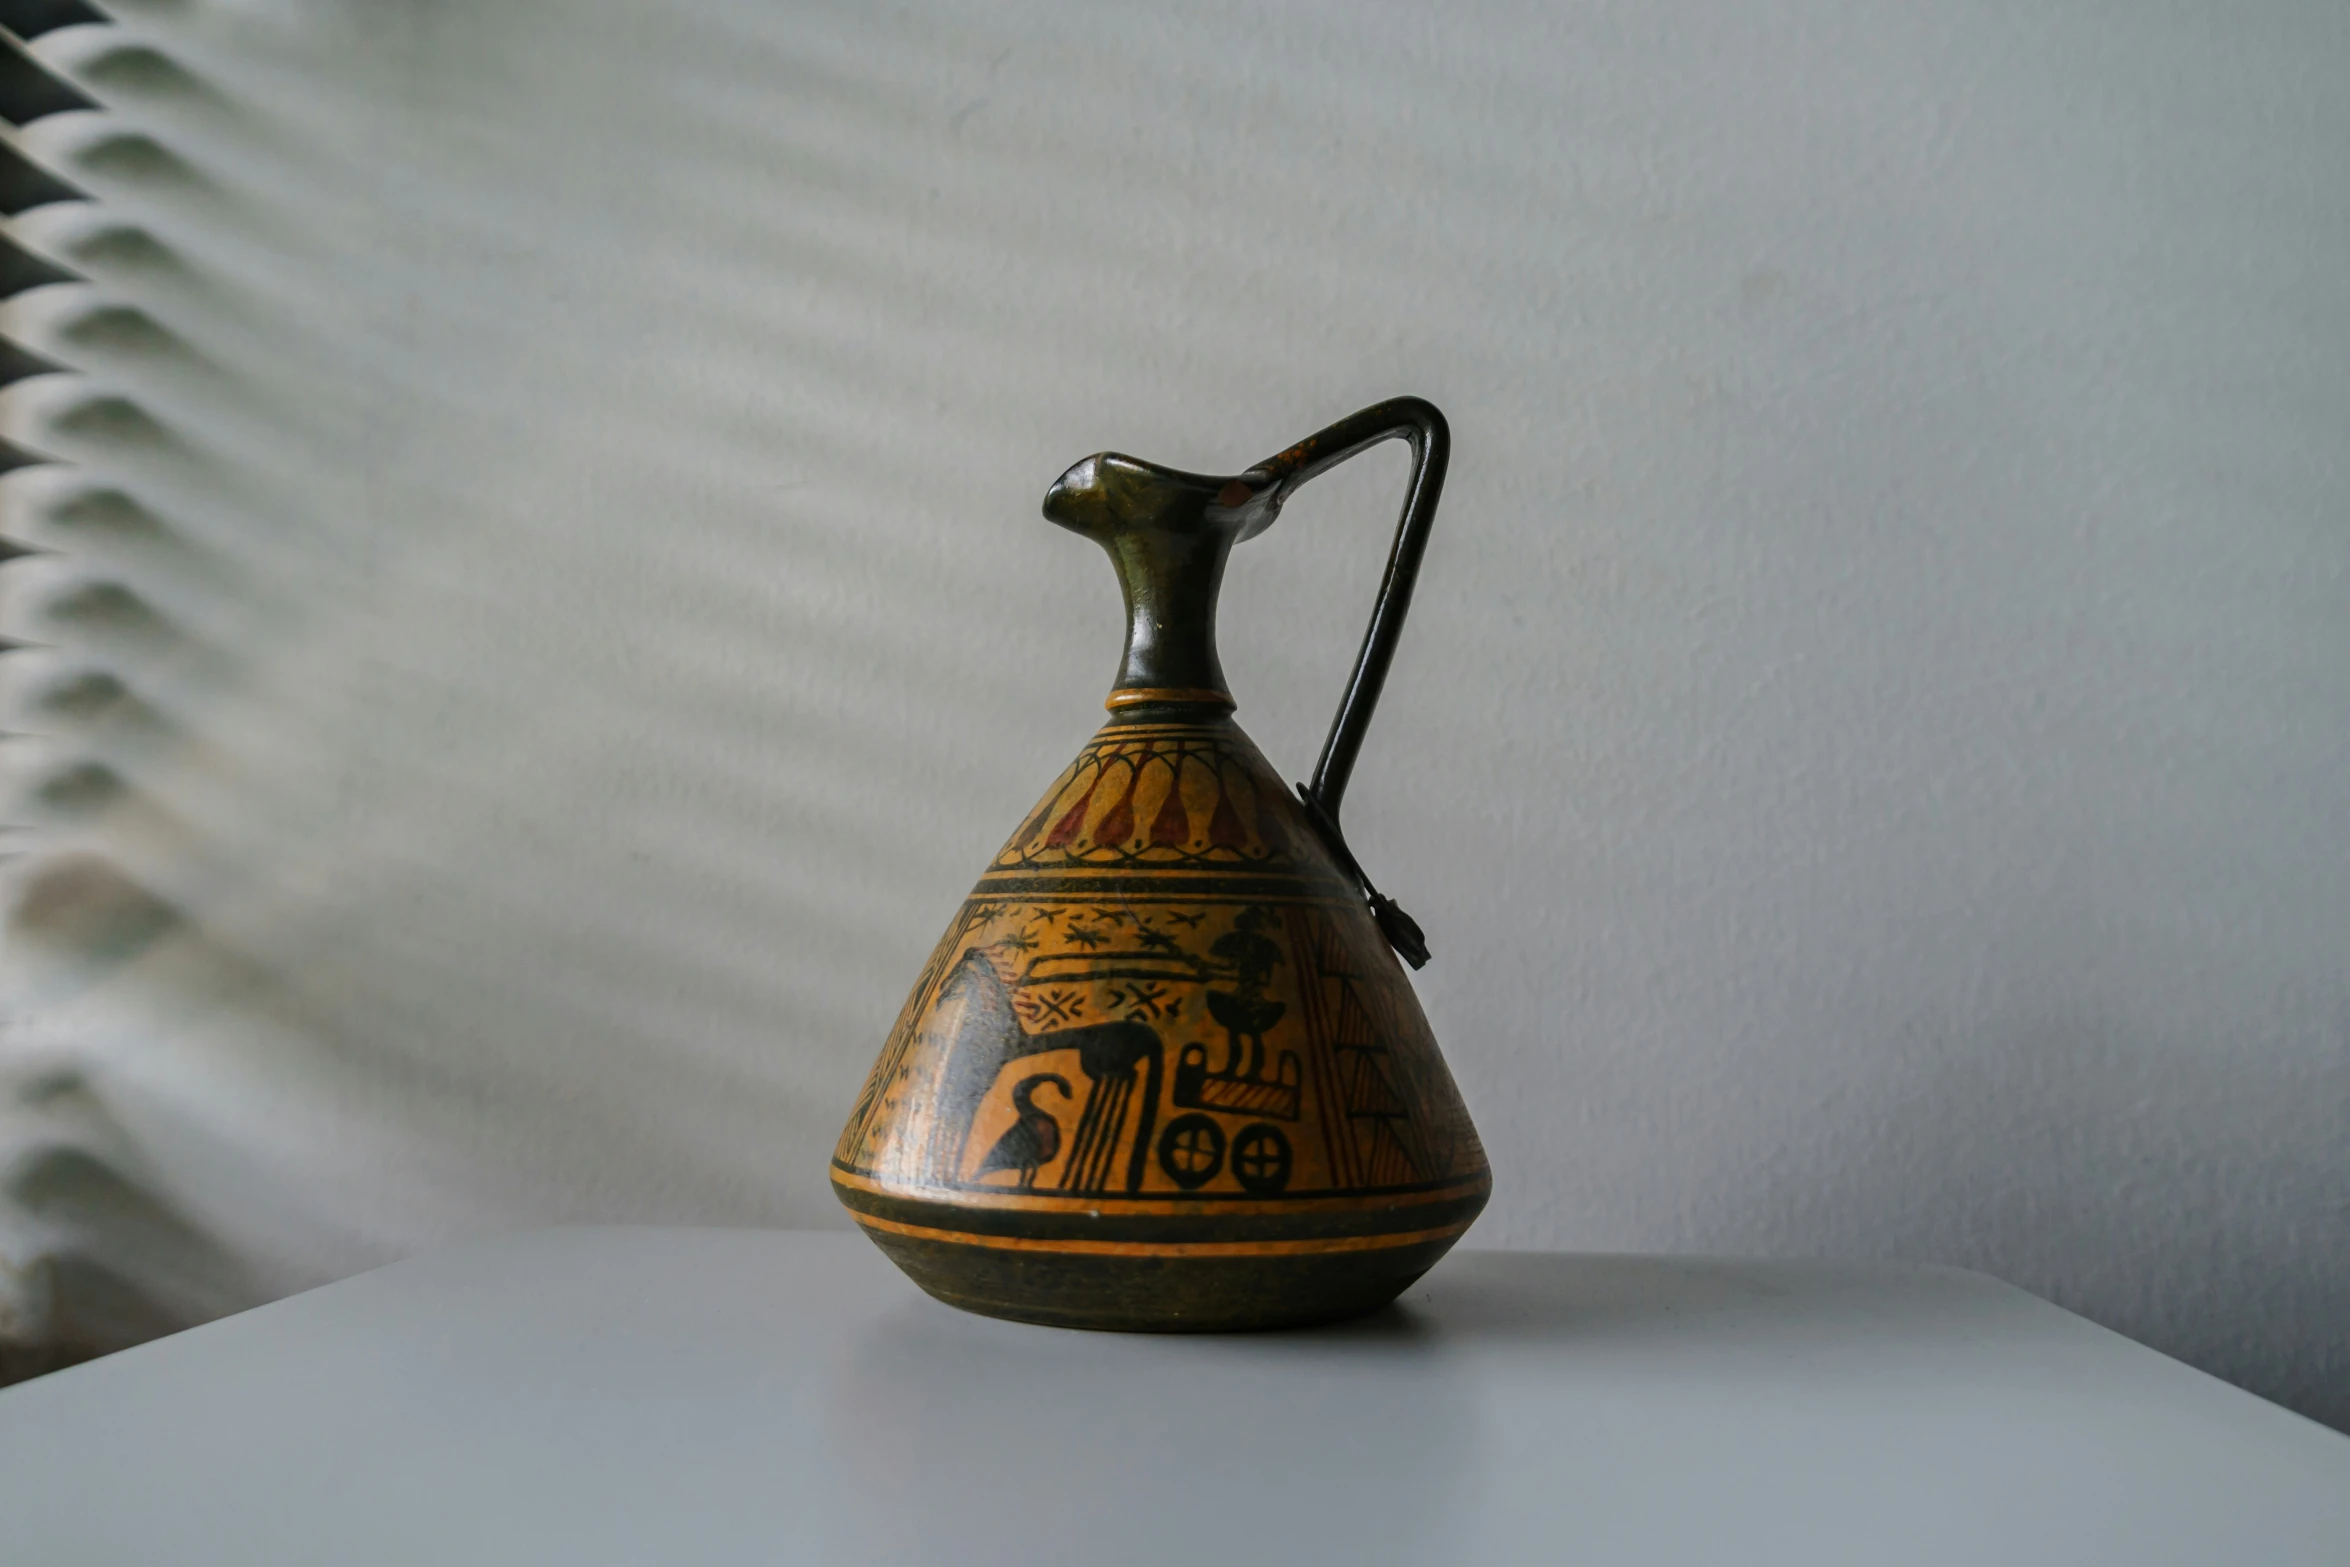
{"x": 718, "y": 1396}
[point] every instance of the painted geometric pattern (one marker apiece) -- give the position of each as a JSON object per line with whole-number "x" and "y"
{"x": 1162, "y": 795}
{"x": 1068, "y": 1046}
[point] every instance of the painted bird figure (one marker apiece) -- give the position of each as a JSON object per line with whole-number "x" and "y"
{"x": 1032, "y": 1141}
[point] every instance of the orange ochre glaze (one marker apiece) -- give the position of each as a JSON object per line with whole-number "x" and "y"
{"x": 1163, "y": 1005}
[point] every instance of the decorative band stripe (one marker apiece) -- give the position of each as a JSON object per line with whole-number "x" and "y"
{"x": 1120, "y": 735}
{"x": 1381, "y": 1198}
{"x": 1140, "y": 695}
{"x": 1169, "y": 884}
{"x": 1343, "y": 1243}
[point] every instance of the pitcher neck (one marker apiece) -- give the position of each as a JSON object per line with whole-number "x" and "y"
{"x": 1170, "y": 581}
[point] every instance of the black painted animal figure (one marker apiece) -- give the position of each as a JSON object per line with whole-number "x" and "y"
{"x": 988, "y": 1037}
{"x": 1032, "y": 1141}
{"x": 1108, "y": 1053}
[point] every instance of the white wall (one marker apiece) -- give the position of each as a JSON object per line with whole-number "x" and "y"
{"x": 1870, "y": 751}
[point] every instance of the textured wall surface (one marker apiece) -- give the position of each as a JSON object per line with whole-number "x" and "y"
{"x": 539, "y": 611}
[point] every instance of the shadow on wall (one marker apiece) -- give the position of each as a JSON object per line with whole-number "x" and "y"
{"x": 94, "y": 1256}
{"x": 125, "y": 1265}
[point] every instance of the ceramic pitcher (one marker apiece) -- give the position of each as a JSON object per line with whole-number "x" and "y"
{"x": 1164, "y": 1071}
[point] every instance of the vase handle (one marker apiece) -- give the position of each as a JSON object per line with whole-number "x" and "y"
{"x": 1415, "y": 420}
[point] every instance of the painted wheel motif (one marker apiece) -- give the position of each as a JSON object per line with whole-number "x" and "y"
{"x": 1260, "y": 1159}
{"x": 1191, "y": 1151}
